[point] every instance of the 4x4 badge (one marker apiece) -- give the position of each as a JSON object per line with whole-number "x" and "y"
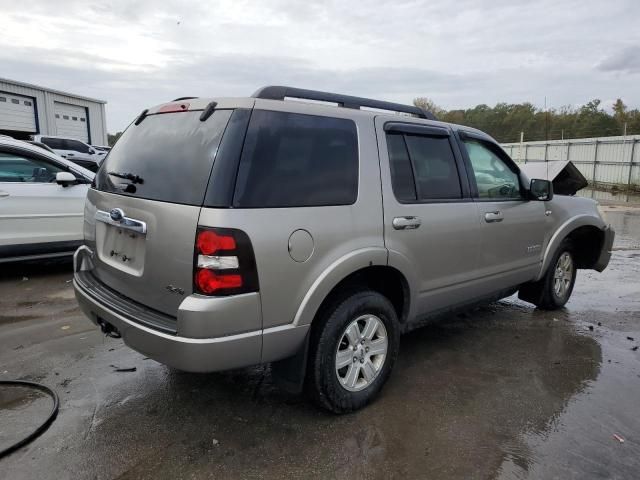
{"x": 173, "y": 289}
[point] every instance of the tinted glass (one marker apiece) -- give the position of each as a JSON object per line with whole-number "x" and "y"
{"x": 434, "y": 167}
{"x": 57, "y": 143}
{"x": 404, "y": 187}
{"x": 76, "y": 146}
{"x": 18, "y": 168}
{"x": 493, "y": 176}
{"x": 171, "y": 153}
{"x": 293, "y": 160}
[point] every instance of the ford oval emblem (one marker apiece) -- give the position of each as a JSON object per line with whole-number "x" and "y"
{"x": 116, "y": 214}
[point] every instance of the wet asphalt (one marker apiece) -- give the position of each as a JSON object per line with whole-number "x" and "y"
{"x": 503, "y": 391}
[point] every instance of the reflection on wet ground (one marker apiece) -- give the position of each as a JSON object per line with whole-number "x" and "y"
{"x": 611, "y": 196}
{"x": 503, "y": 391}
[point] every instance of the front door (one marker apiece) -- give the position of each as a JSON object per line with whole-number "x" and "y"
{"x": 34, "y": 209}
{"x": 512, "y": 226}
{"x": 430, "y": 220}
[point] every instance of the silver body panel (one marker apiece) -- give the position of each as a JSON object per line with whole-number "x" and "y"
{"x": 454, "y": 256}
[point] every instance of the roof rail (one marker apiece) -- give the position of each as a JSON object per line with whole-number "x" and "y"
{"x": 275, "y": 92}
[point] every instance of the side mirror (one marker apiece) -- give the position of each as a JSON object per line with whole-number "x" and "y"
{"x": 541, "y": 190}
{"x": 65, "y": 179}
{"x": 92, "y": 151}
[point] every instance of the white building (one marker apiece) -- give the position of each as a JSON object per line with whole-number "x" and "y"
{"x": 28, "y": 109}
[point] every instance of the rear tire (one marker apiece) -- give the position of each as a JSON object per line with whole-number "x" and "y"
{"x": 353, "y": 348}
{"x": 554, "y": 289}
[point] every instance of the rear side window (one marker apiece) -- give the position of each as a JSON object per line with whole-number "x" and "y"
{"x": 167, "y": 157}
{"x": 76, "y": 146}
{"x": 295, "y": 160}
{"x": 423, "y": 168}
{"x": 56, "y": 143}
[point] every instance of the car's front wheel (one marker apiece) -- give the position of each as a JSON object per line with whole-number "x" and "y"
{"x": 553, "y": 290}
{"x": 352, "y": 352}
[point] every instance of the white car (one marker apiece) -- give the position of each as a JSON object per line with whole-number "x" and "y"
{"x": 75, "y": 150}
{"x": 41, "y": 202}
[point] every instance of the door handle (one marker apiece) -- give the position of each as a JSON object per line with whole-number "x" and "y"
{"x": 4, "y": 194}
{"x": 406, "y": 223}
{"x": 491, "y": 217}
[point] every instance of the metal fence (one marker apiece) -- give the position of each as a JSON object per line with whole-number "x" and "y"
{"x": 604, "y": 161}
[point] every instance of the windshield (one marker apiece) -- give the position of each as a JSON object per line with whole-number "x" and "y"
{"x": 167, "y": 157}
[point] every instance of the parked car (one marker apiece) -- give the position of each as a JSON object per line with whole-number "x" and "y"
{"x": 317, "y": 236}
{"x": 78, "y": 152}
{"x": 41, "y": 145}
{"x": 42, "y": 200}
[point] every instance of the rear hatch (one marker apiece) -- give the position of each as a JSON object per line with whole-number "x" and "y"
{"x": 142, "y": 215}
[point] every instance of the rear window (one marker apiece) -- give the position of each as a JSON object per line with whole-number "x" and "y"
{"x": 295, "y": 160}
{"x": 169, "y": 156}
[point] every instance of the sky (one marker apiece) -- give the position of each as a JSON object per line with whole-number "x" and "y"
{"x": 135, "y": 54}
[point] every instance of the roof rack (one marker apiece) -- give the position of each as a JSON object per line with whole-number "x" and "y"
{"x": 182, "y": 98}
{"x": 275, "y": 92}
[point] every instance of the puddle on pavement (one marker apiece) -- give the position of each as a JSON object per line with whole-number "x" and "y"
{"x": 611, "y": 196}
{"x": 462, "y": 394}
{"x": 21, "y": 411}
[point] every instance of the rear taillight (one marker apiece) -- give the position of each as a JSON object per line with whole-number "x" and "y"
{"x": 224, "y": 263}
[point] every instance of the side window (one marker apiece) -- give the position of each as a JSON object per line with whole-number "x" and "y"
{"x": 18, "y": 168}
{"x": 76, "y": 146}
{"x": 55, "y": 143}
{"x": 494, "y": 177}
{"x": 422, "y": 168}
{"x": 295, "y": 160}
{"x": 404, "y": 186}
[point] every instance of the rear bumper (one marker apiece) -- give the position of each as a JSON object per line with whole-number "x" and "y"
{"x": 605, "y": 252}
{"x": 222, "y": 352}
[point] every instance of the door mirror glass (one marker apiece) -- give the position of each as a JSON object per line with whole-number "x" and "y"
{"x": 65, "y": 179}
{"x": 541, "y": 189}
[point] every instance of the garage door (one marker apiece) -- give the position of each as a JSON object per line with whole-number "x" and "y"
{"x": 17, "y": 113}
{"x": 71, "y": 121}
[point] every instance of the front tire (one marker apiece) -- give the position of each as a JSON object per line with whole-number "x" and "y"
{"x": 553, "y": 290}
{"x": 353, "y": 349}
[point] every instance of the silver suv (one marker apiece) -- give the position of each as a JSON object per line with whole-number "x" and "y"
{"x": 222, "y": 233}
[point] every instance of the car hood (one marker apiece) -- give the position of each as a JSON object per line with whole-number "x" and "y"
{"x": 564, "y": 175}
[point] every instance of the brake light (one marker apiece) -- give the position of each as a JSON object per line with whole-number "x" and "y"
{"x": 224, "y": 263}
{"x": 209, "y": 242}
{"x": 209, "y": 282}
{"x": 174, "y": 107}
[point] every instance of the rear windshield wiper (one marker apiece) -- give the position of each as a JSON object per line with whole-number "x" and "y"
{"x": 128, "y": 176}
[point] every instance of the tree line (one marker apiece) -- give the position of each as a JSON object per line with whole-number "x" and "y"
{"x": 505, "y": 121}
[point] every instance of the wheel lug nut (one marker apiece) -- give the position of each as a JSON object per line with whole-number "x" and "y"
{"x": 366, "y": 349}
{"x": 355, "y": 359}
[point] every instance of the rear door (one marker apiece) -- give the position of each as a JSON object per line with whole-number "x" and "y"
{"x": 513, "y": 228}
{"x": 430, "y": 220}
{"x": 155, "y": 178}
{"x": 34, "y": 210}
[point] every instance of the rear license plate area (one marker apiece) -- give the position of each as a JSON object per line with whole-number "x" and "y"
{"x": 121, "y": 248}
